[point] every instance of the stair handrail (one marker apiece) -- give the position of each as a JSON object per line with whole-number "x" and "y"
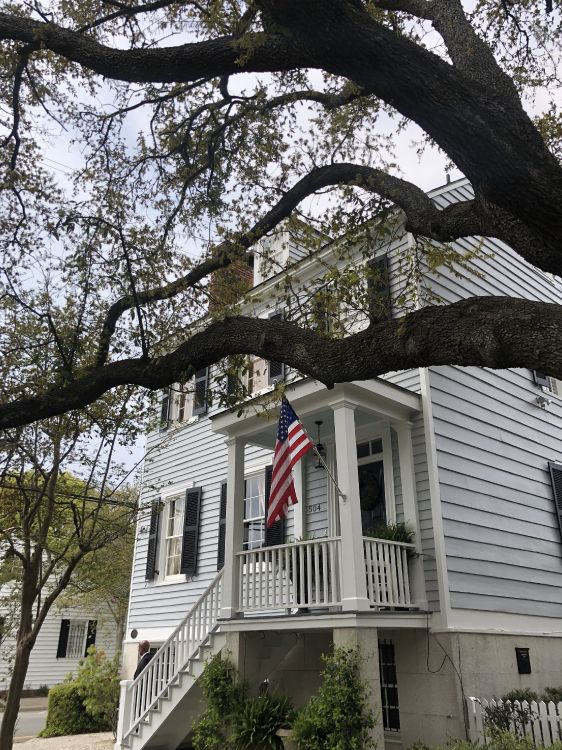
{"x": 155, "y": 679}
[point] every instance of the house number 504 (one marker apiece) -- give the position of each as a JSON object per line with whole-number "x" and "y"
{"x": 314, "y": 508}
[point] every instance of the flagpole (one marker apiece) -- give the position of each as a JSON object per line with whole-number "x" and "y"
{"x": 325, "y": 465}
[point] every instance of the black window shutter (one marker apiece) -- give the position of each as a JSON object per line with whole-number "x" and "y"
{"x": 275, "y": 370}
{"x": 91, "y": 635}
{"x": 556, "y": 477}
{"x": 276, "y": 534}
{"x": 200, "y": 386}
{"x": 191, "y": 532}
{"x": 165, "y": 409}
{"x": 63, "y": 638}
{"x": 222, "y": 528}
{"x": 152, "y": 551}
{"x": 378, "y": 289}
{"x": 541, "y": 379}
{"x": 231, "y": 383}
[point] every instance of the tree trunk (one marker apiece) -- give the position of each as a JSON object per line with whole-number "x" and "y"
{"x": 13, "y": 699}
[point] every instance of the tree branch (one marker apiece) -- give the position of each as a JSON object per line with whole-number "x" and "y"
{"x": 423, "y": 218}
{"x": 496, "y": 332}
{"x": 184, "y": 63}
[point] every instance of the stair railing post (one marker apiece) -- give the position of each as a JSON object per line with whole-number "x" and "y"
{"x": 125, "y": 707}
{"x": 234, "y": 528}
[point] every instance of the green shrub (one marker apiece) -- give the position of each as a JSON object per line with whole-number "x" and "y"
{"x": 98, "y": 684}
{"x": 224, "y": 697}
{"x": 394, "y": 532}
{"x": 338, "y": 717}
{"x": 258, "y": 720}
{"x": 521, "y": 694}
{"x": 552, "y": 694}
{"x": 496, "y": 739}
{"x": 509, "y": 717}
{"x": 67, "y": 714}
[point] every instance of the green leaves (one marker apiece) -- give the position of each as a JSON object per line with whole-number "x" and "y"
{"x": 338, "y": 717}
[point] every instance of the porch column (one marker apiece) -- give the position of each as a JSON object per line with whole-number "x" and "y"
{"x": 353, "y": 582}
{"x": 366, "y": 641}
{"x": 234, "y": 528}
{"x": 410, "y": 505}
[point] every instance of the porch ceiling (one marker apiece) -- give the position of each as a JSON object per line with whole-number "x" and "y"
{"x": 375, "y": 400}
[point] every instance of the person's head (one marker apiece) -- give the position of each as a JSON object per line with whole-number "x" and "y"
{"x": 144, "y": 646}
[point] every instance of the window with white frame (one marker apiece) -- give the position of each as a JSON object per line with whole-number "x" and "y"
{"x": 77, "y": 632}
{"x": 254, "y": 511}
{"x": 175, "y": 508}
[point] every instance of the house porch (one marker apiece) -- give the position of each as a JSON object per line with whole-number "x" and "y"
{"x": 341, "y": 569}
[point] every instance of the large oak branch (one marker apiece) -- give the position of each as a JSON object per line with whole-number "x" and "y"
{"x": 422, "y": 215}
{"x": 496, "y": 332}
{"x": 186, "y": 62}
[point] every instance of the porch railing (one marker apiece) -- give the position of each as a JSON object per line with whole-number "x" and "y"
{"x": 298, "y": 575}
{"x": 386, "y": 567}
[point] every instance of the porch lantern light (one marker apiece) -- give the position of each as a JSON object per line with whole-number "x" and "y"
{"x": 320, "y": 447}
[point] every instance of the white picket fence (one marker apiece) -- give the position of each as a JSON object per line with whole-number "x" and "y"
{"x": 539, "y": 721}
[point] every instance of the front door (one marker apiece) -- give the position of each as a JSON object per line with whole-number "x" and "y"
{"x": 371, "y": 495}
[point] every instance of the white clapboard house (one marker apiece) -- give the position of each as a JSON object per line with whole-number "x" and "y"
{"x": 63, "y": 641}
{"x": 469, "y": 459}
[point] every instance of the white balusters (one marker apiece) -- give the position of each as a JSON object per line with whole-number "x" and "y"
{"x": 302, "y": 574}
{"x": 386, "y": 568}
{"x": 171, "y": 658}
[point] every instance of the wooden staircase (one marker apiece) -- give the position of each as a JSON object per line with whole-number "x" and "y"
{"x": 157, "y": 709}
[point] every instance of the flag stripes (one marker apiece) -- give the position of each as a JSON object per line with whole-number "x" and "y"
{"x": 291, "y": 445}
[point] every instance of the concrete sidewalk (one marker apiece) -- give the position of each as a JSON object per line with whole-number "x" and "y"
{"x": 34, "y": 704}
{"x": 101, "y": 741}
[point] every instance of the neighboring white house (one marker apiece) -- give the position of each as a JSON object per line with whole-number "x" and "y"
{"x": 468, "y": 458}
{"x": 63, "y": 640}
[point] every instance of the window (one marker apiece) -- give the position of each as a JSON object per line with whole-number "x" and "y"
{"x": 200, "y": 388}
{"x": 389, "y": 686}
{"x": 325, "y": 311}
{"x": 276, "y": 370}
{"x": 254, "y": 512}
{"x": 174, "y": 534}
{"x": 182, "y": 403}
{"x": 378, "y": 289}
{"x": 372, "y": 494}
{"x": 75, "y": 637}
{"x": 165, "y": 406}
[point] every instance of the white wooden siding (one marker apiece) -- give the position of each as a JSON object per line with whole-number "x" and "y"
{"x": 193, "y": 456}
{"x": 44, "y": 667}
{"x": 493, "y": 443}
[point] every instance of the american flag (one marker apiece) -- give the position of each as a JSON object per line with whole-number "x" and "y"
{"x": 291, "y": 445}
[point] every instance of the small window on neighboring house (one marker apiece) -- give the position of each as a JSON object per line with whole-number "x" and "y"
{"x": 75, "y": 637}
{"x": 556, "y": 479}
